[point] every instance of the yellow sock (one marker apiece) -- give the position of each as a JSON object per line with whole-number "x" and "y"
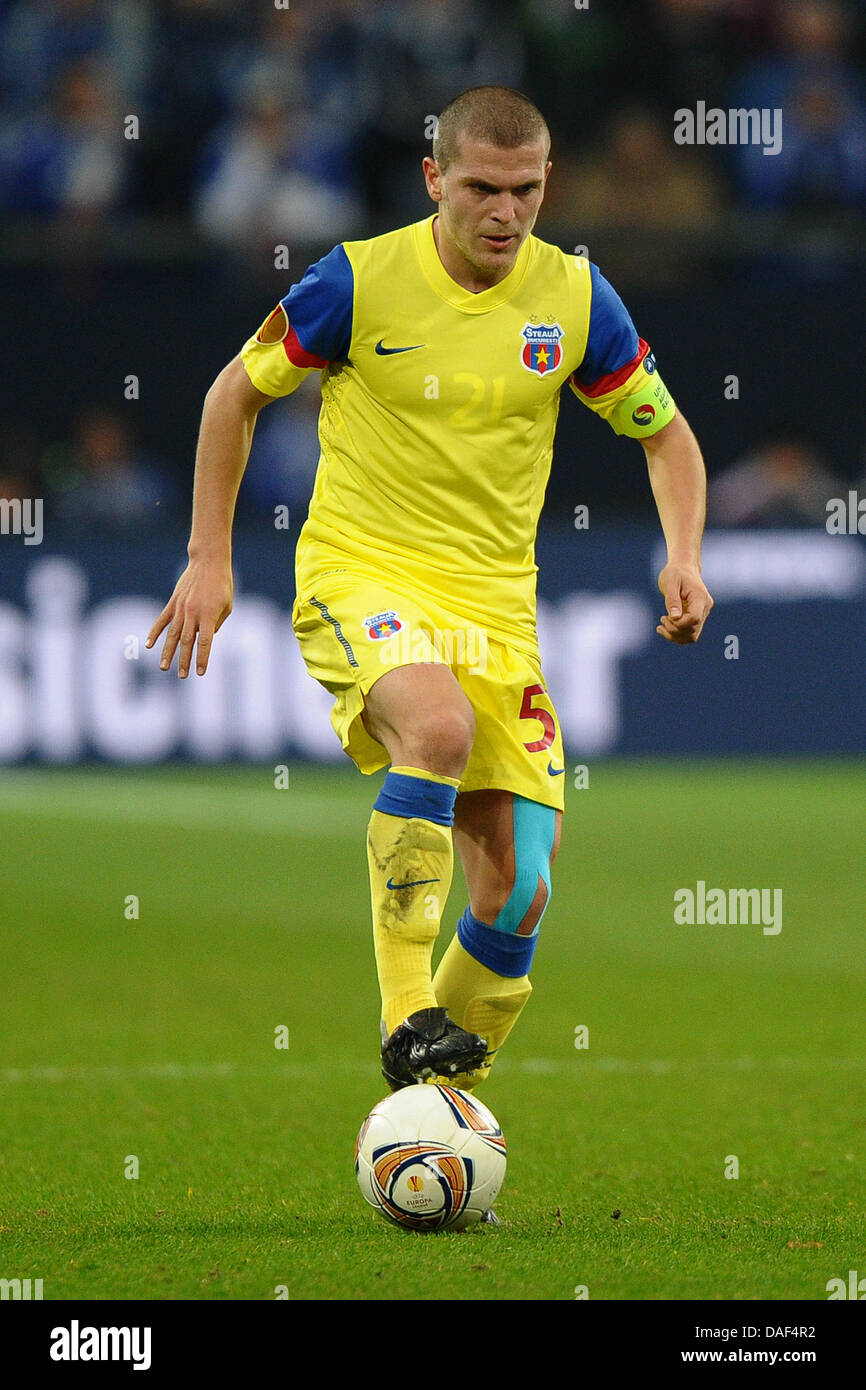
{"x": 480, "y": 1001}
{"x": 411, "y": 860}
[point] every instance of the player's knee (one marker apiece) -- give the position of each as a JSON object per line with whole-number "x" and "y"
{"x": 506, "y": 945}
{"x": 535, "y": 829}
{"x": 536, "y": 910}
{"x": 444, "y": 741}
{"x": 524, "y": 908}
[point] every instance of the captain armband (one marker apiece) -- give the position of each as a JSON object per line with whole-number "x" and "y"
{"x": 644, "y": 412}
{"x": 638, "y": 407}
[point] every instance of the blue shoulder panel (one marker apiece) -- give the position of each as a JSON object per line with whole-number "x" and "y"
{"x": 319, "y": 307}
{"x": 613, "y": 339}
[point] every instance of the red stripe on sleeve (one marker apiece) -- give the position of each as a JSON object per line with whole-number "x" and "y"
{"x": 613, "y": 379}
{"x": 297, "y": 353}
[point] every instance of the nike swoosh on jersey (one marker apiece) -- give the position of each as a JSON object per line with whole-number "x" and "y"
{"x": 387, "y": 352}
{"x": 413, "y": 883}
{"x": 555, "y": 771}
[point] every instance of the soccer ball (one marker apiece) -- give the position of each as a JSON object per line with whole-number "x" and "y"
{"x": 430, "y": 1157}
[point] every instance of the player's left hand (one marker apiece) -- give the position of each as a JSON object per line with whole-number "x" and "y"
{"x": 687, "y": 601}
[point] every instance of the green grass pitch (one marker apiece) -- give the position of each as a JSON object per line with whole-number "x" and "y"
{"x": 153, "y": 1037}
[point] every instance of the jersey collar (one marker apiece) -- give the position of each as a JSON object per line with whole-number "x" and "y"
{"x": 449, "y": 290}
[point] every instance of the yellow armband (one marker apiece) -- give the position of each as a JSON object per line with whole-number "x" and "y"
{"x": 638, "y": 407}
{"x": 645, "y": 412}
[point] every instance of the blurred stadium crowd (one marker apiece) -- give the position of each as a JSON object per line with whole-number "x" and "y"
{"x": 305, "y": 120}
{"x": 258, "y": 124}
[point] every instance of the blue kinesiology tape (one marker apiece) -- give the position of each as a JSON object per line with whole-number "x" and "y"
{"x": 499, "y": 947}
{"x": 534, "y": 829}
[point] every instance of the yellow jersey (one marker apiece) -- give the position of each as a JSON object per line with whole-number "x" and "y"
{"x": 439, "y": 408}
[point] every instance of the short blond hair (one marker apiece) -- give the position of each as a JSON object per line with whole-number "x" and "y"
{"x": 495, "y": 115}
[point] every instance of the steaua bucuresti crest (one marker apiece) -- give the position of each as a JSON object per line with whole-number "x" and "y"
{"x": 382, "y": 625}
{"x": 542, "y": 347}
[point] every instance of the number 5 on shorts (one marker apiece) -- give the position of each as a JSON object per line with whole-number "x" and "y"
{"x": 544, "y": 717}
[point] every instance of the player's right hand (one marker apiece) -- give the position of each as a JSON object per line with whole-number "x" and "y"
{"x": 200, "y": 604}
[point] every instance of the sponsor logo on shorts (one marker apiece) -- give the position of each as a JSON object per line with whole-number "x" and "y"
{"x": 382, "y": 625}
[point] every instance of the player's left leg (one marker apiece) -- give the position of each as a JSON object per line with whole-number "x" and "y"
{"x": 507, "y": 845}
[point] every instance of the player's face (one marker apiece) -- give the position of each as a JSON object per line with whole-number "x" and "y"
{"x": 488, "y": 202}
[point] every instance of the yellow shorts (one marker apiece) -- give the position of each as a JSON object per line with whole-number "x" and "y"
{"x": 353, "y": 627}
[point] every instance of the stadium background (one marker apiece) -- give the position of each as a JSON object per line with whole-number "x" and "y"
{"x": 152, "y": 258}
{"x": 134, "y": 268}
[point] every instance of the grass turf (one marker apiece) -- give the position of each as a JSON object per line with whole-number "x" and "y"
{"x": 154, "y": 1037}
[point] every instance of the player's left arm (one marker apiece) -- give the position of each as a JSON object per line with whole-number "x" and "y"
{"x": 618, "y": 380}
{"x": 679, "y": 484}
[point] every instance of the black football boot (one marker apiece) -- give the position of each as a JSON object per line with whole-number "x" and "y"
{"x": 426, "y": 1044}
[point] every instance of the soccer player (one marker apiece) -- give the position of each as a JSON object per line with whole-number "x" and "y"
{"x": 443, "y": 348}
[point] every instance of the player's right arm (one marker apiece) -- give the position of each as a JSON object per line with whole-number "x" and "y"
{"x": 202, "y": 599}
{"x": 307, "y": 330}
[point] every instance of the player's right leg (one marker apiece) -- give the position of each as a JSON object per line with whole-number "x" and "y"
{"x": 421, "y": 716}
{"x": 367, "y": 641}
